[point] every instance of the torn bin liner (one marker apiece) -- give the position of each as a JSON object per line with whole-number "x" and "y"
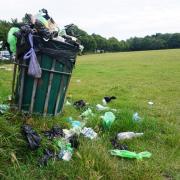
{"x": 31, "y": 136}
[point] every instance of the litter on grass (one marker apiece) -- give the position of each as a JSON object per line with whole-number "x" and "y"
{"x": 129, "y": 154}
{"x": 80, "y": 104}
{"x": 99, "y": 107}
{"x": 75, "y": 123}
{"x": 107, "y": 99}
{"x": 108, "y": 119}
{"x": 4, "y": 108}
{"x": 128, "y": 135}
{"x": 31, "y": 136}
{"x": 89, "y": 133}
{"x": 150, "y": 103}
{"x": 136, "y": 117}
{"x": 87, "y": 113}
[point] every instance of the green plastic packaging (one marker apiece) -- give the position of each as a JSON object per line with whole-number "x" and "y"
{"x": 11, "y": 39}
{"x": 129, "y": 154}
{"x": 108, "y": 119}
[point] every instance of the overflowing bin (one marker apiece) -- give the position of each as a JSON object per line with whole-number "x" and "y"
{"x": 44, "y": 95}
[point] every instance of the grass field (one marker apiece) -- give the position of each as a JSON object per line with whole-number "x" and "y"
{"x": 134, "y": 78}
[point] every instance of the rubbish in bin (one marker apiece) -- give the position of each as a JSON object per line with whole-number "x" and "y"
{"x": 99, "y": 107}
{"x": 117, "y": 145}
{"x": 34, "y": 68}
{"x": 31, "y": 136}
{"x": 129, "y": 154}
{"x": 47, "y": 155}
{"x": 128, "y": 135}
{"x": 89, "y": 133}
{"x": 136, "y": 117}
{"x": 150, "y": 103}
{"x": 74, "y": 141}
{"x": 12, "y": 39}
{"x": 80, "y": 104}
{"x": 56, "y": 131}
{"x": 4, "y": 108}
{"x": 86, "y": 113}
{"x": 107, "y": 99}
{"x": 74, "y": 123}
{"x": 108, "y": 119}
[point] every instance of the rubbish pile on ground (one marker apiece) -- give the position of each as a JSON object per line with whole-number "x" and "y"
{"x": 67, "y": 140}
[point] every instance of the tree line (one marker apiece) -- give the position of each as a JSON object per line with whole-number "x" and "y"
{"x": 96, "y": 42}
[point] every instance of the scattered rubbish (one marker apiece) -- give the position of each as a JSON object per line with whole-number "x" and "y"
{"x": 66, "y": 149}
{"x": 129, "y": 154}
{"x": 99, "y": 107}
{"x": 80, "y": 104}
{"x": 31, "y": 136}
{"x": 74, "y": 141}
{"x": 68, "y": 133}
{"x": 47, "y": 155}
{"x": 128, "y": 135}
{"x": 150, "y": 103}
{"x": 74, "y": 123}
{"x": 56, "y": 131}
{"x": 107, "y": 99}
{"x": 117, "y": 145}
{"x": 78, "y": 81}
{"x": 89, "y": 133}
{"x": 86, "y": 113}
{"x": 108, "y": 119}
{"x": 136, "y": 117}
{"x": 68, "y": 103}
{"x": 4, "y": 108}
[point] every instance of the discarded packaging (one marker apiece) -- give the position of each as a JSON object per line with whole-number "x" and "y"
{"x": 108, "y": 119}
{"x": 74, "y": 123}
{"x": 150, "y": 103}
{"x": 86, "y": 113}
{"x": 89, "y": 133}
{"x": 99, "y": 107}
{"x": 136, "y": 117}
{"x": 128, "y": 135}
{"x": 4, "y": 108}
{"x": 129, "y": 154}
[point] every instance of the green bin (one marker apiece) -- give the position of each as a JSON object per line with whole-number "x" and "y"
{"x": 44, "y": 95}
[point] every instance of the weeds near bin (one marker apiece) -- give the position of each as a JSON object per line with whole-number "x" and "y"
{"x": 125, "y": 76}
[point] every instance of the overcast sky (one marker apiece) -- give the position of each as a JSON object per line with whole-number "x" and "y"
{"x": 119, "y": 18}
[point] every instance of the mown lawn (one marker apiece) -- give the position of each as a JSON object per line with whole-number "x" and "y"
{"x": 134, "y": 78}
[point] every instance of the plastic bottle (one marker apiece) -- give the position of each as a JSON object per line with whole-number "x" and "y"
{"x": 128, "y": 135}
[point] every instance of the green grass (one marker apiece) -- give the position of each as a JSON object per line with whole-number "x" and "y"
{"x": 135, "y": 78}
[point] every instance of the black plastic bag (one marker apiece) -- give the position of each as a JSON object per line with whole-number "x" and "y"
{"x": 54, "y": 132}
{"x": 31, "y": 136}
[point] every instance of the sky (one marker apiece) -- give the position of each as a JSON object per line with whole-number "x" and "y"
{"x": 119, "y": 18}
